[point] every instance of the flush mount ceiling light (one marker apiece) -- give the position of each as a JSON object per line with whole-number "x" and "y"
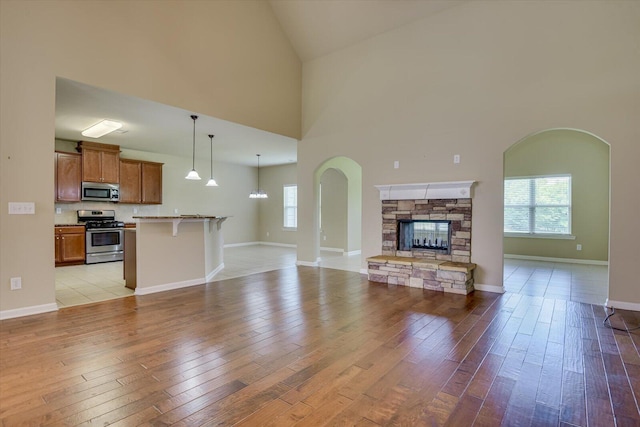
{"x": 193, "y": 174}
{"x": 258, "y": 194}
{"x": 212, "y": 182}
{"x": 101, "y": 128}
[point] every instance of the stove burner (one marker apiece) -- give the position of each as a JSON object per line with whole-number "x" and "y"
{"x": 91, "y": 225}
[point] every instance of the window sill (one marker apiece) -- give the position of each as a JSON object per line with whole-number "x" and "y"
{"x": 289, "y": 228}
{"x": 541, "y": 236}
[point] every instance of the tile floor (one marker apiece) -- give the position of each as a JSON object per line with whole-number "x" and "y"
{"x": 575, "y": 282}
{"x": 83, "y": 284}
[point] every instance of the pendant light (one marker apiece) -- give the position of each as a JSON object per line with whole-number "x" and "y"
{"x": 258, "y": 194}
{"x": 193, "y": 174}
{"x": 212, "y": 182}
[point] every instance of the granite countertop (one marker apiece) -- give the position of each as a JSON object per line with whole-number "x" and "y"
{"x": 180, "y": 217}
{"x": 69, "y": 225}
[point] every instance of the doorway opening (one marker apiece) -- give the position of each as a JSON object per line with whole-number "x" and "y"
{"x": 556, "y": 235}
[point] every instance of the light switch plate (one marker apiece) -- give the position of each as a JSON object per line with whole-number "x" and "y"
{"x": 22, "y": 208}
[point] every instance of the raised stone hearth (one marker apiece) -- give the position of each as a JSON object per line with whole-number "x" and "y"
{"x": 446, "y": 276}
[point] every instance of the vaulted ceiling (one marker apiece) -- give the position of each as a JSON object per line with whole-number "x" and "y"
{"x": 319, "y": 27}
{"x": 314, "y": 27}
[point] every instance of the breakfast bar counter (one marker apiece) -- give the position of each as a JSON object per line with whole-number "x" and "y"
{"x": 177, "y": 251}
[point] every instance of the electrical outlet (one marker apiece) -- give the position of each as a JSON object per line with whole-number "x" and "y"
{"x": 135, "y": 210}
{"x": 324, "y": 237}
{"x": 456, "y": 158}
{"x": 175, "y": 211}
{"x": 578, "y": 247}
{"x": 267, "y": 234}
{"x": 16, "y": 283}
{"x": 396, "y": 164}
{"x": 58, "y": 210}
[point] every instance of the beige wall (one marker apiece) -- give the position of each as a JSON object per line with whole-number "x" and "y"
{"x": 225, "y": 59}
{"x": 473, "y": 80}
{"x": 271, "y": 210}
{"x": 586, "y": 159}
{"x": 334, "y": 207}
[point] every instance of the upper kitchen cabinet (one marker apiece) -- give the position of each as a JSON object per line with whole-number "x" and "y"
{"x": 130, "y": 176}
{"x": 100, "y": 162}
{"x": 151, "y": 183}
{"x": 68, "y": 176}
{"x": 140, "y": 182}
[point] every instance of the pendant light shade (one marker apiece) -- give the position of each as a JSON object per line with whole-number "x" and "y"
{"x": 193, "y": 174}
{"x": 212, "y": 182}
{"x": 258, "y": 194}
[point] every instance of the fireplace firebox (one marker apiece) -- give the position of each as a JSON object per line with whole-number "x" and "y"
{"x": 433, "y": 235}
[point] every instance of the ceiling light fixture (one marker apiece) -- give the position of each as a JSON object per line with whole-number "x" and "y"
{"x": 212, "y": 182}
{"x": 193, "y": 174}
{"x": 101, "y": 128}
{"x": 258, "y": 194}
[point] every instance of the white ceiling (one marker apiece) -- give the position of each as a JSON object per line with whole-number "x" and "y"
{"x": 314, "y": 27}
{"x": 157, "y": 128}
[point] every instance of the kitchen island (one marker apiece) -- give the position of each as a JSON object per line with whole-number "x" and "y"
{"x": 177, "y": 251}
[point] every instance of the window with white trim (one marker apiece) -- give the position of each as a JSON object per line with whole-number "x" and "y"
{"x": 290, "y": 206}
{"x": 537, "y": 205}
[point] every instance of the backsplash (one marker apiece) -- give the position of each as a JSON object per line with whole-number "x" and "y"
{"x": 124, "y": 213}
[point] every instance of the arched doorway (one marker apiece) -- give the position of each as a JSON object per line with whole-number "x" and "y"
{"x": 556, "y": 216}
{"x": 338, "y": 185}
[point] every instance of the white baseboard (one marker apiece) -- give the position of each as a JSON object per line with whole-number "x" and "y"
{"x": 489, "y": 288}
{"x": 282, "y": 245}
{"x": 364, "y": 271}
{"x": 622, "y": 305}
{"x": 560, "y": 260}
{"x": 308, "y": 263}
{"x": 169, "y": 286}
{"x": 351, "y": 253}
{"x": 235, "y": 245}
{"x": 28, "y": 311}
{"x": 217, "y": 270}
{"x": 326, "y": 249}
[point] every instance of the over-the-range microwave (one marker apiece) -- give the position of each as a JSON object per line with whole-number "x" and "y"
{"x": 100, "y": 192}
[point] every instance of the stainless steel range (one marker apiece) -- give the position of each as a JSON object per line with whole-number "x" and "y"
{"x": 104, "y": 236}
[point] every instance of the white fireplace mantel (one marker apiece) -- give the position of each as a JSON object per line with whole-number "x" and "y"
{"x": 428, "y": 190}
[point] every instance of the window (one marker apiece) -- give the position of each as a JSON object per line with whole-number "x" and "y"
{"x": 290, "y": 206}
{"x": 538, "y": 205}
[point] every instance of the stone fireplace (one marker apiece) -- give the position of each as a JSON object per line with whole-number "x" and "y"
{"x": 454, "y": 244}
{"x": 426, "y": 237}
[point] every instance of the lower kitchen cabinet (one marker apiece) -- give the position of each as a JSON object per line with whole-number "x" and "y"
{"x": 69, "y": 245}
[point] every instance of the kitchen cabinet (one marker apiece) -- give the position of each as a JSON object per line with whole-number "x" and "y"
{"x": 140, "y": 182}
{"x": 100, "y": 162}
{"x": 130, "y": 175}
{"x": 68, "y": 176}
{"x": 69, "y": 244}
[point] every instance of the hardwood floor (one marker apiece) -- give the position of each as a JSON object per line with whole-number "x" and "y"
{"x": 314, "y": 346}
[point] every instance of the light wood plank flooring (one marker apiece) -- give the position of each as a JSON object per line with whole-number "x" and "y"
{"x": 315, "y": 346}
